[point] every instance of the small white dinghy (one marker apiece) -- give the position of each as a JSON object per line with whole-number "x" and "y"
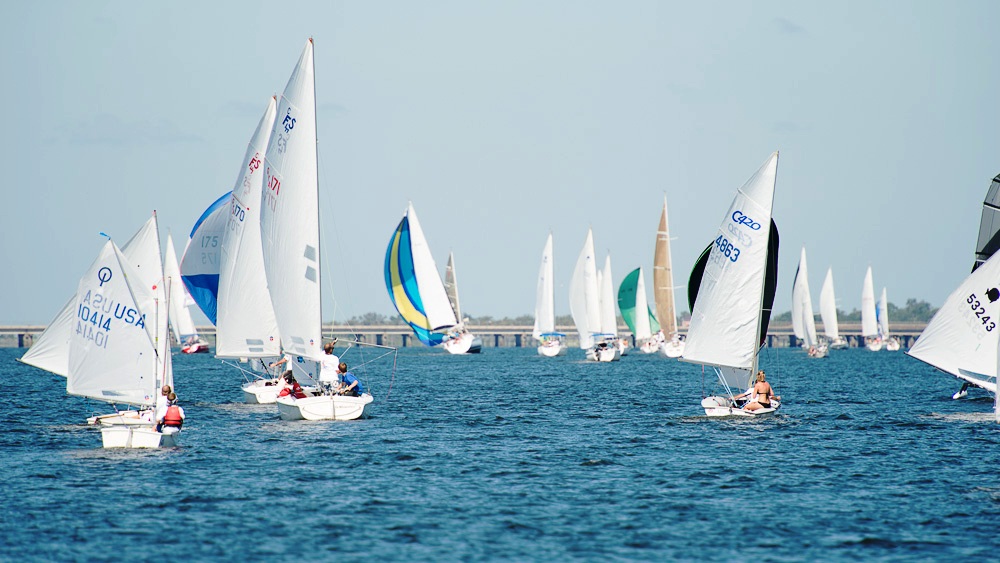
{"x": 736, "y": 279}
{"x": 323, "y": 407}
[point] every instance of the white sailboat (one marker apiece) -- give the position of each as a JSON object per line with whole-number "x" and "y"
{"x": 460, "y": 340}
{"x": 585, "y": 306}
{"x": 663, "y": 290}
{"x": 736, "y": 277}
{"x": 181, "y": 322}
{"x": 891, "y": 343}
{"x": 828, "y": 312}
{"x": 609, "y": 319}
{"x": 803, "y": 318}
{"x": 113, "y": 346}
{"x": 289, "y": 223}
{"x": 869, "y": 318}
{"x": 246, "y": 327}
{"x": 550, "y": 342}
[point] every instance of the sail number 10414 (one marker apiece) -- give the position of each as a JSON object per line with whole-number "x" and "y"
{"x": 727, "y": 248}
{"x": 980, "y": 312}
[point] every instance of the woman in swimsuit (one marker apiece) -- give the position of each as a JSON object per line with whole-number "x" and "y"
{"x": 763, "y": 394}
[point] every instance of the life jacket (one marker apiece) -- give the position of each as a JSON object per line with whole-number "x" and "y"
{"x": 297, "y": 391}
{"x": 173, "y": 417}
{"x": 285, "y": 392}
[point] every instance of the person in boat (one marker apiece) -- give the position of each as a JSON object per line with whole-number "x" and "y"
{"x": 173, "y": 417}
{"x": 293, "y": 387}
{"x": 349, "y": 384}
{"x": 162, "y": 402}
{"x": 762, "y": 394}
{"x": 328, "y": 374}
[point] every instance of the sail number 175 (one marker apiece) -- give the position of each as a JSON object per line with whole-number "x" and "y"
{"x": 980, "y": 312}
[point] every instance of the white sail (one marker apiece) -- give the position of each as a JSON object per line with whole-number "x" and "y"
{"x": 828, "y": 307}
{"x": 663, "y": 277}
{"x": 50, "y": 350}
{"x": 451, "y": 286}
{"x": 609, "y": 320}
{"x": 584, "y": 303}
{"x": 869, "y": 323}
{"x": 803, "y": 319}
{"x": 643, "y": 330}
{"x": 962, "y": 337}
{"x": 883, "y": 315}
{"x": 544, "y": 305}
{"x": 440, "y": 314}
{"x": 289, "y": 219}
{"x": 246, "y": 326}
{"x": 180, "y": 317}
{"x": 111, "y": 354}
{"x": 726, "y": 318}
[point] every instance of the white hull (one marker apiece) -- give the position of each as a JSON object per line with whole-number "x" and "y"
{"x": 818, "y": 352}
{"x": 609, "y": 354}
{"x": 137, "y": 437}
{"x": 552, "y": 350}
{"x": 673, "y": 349}
{"x": 258, "y": 392}
{"x": 874, "y": 345}
{"x": 892, "y": 345}
{"x": 623, "y": 347}
{"x": 323, "y": 407}
{"x": 464, "y": 344}
{"x": 124, "y": 418}
{"x": 839, "y": 344}
{"x": 650, "y": 347}
{"x": 717, "y": 406}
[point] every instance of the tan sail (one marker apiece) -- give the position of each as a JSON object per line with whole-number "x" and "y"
{"x": 663, "y": 278}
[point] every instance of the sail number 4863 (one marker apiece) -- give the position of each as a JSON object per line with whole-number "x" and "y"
{"x": 727, "y": 248}
{"x": 980, "y": 312}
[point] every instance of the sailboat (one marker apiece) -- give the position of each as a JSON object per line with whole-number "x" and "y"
{"x": 869, "y": 317}
{"x": 636, "y": 312}
{"x": 891, "y": 343}
{"x": 585, "y": 307}
{"x": 731, "y": 292}
{"x": 550, "y": 342}
{"x": 935, "y": 344}
{"x": 415, "y": 288}
{"x": 803, "y": 319}
{"x": 609, "y": 319}
{"x": 201, "y": 260}
{"x": 460, "y": 340}
{"x": 181, "y": 322}
{"x": 112, "y": 345}
{"x": 289, "y": 224}
{"x": 663, "y": 291}
{"x": 828, "y": 312}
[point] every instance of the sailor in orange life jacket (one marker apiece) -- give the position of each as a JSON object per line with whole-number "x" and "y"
{"x": 173, "y": 417}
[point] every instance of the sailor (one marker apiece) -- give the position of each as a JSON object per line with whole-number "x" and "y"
{"x": 173, "y": 417}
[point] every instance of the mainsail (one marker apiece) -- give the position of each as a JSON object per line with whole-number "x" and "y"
{"x": 584, "y": 300}
{"x": 869, "y": 319}
{"x": 803, "y": 318}
{"x": 663, "y": 277}
{"x": 828, "y": 307}
{"x": 544, "y": 305}
{"x": 989, "y": 225}
{"x": 451, "y": 286}
{"x": 180, "y": 317}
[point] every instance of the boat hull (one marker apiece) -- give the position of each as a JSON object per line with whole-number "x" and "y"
{"x": 196, "y": 348}
{"x": 874, "y": 345}
{"x": 717, "y": 406}
{"x": 138, "y": 437}
{"x": 323, "y": 407}
{"x": 892, "y": 345}
{"x": 464, "y": 344}
{"x": 673, "y": 349}
{"x": 126, "y": 418}
{"x": 609, "y": 354}
{"x": 258, "y": 392}
{"x": 818, "y": 352}
{"x": 552, "y": 350}
{"x": 839, "y": 344}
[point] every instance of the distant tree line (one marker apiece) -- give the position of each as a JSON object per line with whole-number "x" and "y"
{"x": 914, "y": 312}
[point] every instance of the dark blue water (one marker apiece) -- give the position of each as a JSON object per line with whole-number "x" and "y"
{"x": 513, "y": 457}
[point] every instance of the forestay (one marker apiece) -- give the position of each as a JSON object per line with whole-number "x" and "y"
{"x": 289, "y": 219}
{"x": 246, "y": 324}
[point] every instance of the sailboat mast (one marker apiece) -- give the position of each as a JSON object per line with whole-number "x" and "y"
{"x": 319, "y": 274}
{"x": 760, "y": 303}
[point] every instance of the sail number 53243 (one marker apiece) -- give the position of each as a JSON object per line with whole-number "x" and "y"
{"x": 980, "y": 312}
{"x": 727, "y": 248}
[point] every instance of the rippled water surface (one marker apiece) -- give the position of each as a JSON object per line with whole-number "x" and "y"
{"x": 510, "y": 456}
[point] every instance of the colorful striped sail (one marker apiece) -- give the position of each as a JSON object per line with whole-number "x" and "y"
{"x": 414, "y": 285}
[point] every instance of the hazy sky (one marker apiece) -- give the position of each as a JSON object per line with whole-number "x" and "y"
{"x": 501, "y": 121}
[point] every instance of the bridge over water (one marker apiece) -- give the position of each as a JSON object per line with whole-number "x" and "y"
{"x": 498, "y": 336}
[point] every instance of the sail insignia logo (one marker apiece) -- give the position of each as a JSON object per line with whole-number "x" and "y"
{"x": 740, "y": 219}
{"x": 104, "y": 275}
{"x": 993, "y": 294}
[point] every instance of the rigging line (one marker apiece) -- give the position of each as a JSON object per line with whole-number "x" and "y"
{"x": 340, "y": 254}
